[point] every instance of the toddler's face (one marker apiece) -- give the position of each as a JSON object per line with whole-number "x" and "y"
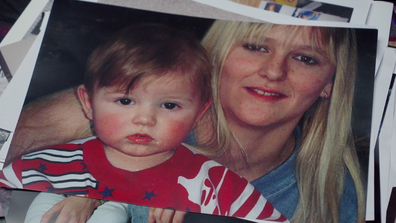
{"x": 154, "y": 118}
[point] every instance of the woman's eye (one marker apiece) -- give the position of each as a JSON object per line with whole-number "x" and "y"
{"x": 125, "y": 101}
{"x": 306, "y": 60}
{"x": 253, "y": 47}
{"x": 170, "y": 106}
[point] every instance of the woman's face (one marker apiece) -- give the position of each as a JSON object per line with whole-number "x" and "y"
{"x": 274, "y": 82}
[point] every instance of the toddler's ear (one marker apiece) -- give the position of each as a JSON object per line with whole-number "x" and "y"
{"x": 85, "y": 101}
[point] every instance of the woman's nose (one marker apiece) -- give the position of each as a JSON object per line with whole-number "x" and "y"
{"x": 145, "y": 116}
{"x": 274, "y": 68}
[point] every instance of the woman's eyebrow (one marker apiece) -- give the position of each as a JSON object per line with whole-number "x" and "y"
{"x": 316, "y": 50}
{"x": 257, "y": 38}
{"x": 304, "y": 47}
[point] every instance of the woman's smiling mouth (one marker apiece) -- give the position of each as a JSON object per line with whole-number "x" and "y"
{"x": 259, "y": 92}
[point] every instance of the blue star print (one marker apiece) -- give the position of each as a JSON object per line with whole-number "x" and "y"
{"x": 84, "y": 166}
{"x": 50, "y": 189}
{"x": 43, "y": 167}
{"x": 107, "y": 192}
{"x": 149, "y": 195}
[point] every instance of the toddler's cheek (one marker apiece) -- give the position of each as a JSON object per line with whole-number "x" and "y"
{"x": 109, "y": 125}
{"x": 177, "y": 131}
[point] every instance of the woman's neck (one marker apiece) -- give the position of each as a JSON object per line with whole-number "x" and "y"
{"x": 258, "y": 151}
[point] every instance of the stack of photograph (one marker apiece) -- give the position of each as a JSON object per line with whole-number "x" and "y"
{"x": 198, "y": 111}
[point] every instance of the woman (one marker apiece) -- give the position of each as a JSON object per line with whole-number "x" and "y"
{"x": 281, "y": 118}
{"x": 266, "y": 82}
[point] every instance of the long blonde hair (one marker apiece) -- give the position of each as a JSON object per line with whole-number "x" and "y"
{"x": 327, "y": 149}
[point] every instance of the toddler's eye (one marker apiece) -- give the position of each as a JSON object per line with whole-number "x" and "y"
{"x": 307, "y": 60}
{"x": 125, "y": 101}
{"x": 170, "y": 106}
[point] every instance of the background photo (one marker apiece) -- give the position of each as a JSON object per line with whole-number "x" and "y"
{"x": 76, "y": 28}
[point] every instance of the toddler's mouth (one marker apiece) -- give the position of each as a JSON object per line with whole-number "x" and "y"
{"x": 139, "y": 138}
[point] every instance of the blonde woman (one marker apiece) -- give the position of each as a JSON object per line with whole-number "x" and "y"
{"x": 281, "y": 118}
{"x": 270, "y": 80}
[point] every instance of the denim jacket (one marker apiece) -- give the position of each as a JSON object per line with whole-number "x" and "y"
{"x": 280, "y": 188}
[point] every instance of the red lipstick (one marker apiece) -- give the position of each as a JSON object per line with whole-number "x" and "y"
{"x": 269, "y": 95}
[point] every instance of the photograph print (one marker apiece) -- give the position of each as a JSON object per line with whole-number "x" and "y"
{"x": 145, "y": 109}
